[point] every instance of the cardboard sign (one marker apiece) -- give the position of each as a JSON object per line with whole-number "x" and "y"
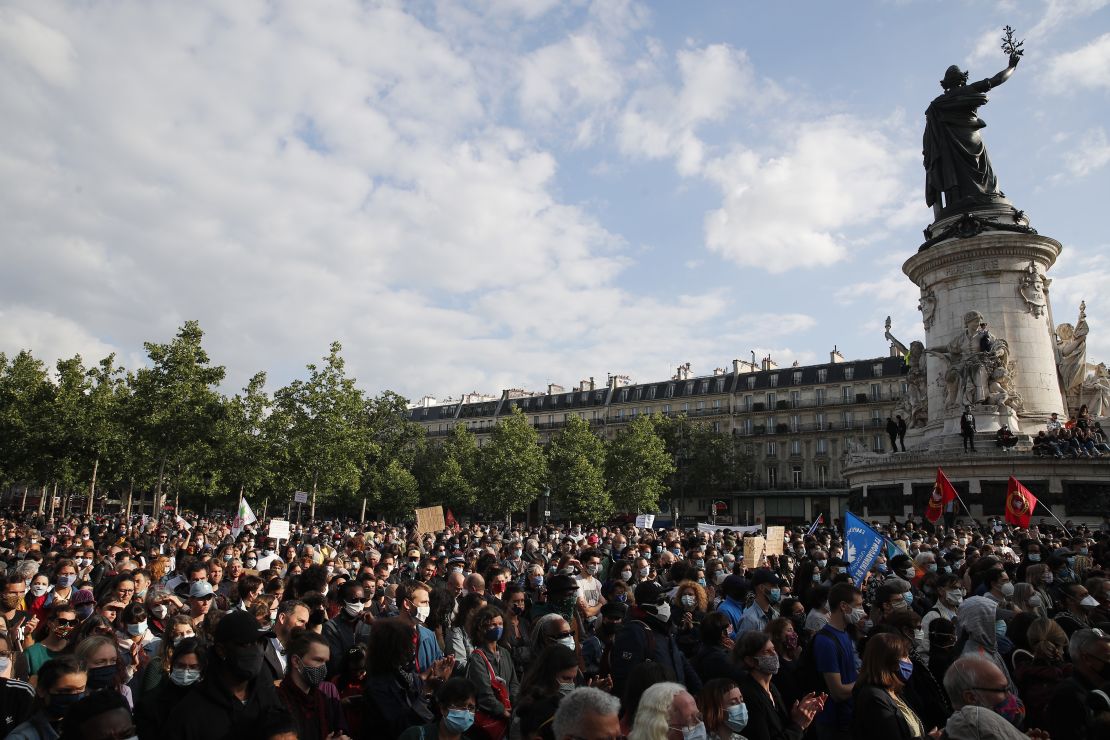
{"x": 430, "y": 519}
{"x": 775, "y": 540}
{"x": 279, "y": 529}
{"x": 754, "y": 550}
{"x": 644, "y": 521}
{"x": 300, "y": 497}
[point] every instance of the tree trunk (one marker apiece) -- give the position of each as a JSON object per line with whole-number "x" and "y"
{"x": 362, "y": 518}
{"x": 53, "y": 496}
{"x": 265, "y": 505}
{"x": 312, "y": 508}
{"x": 130, "y": 492}
{"x": 158, "y": 490}
{"x": 42, "y": 499}
{"x": 23, "y": 506}
{"x": 66, "y": 498}
{"x": 92, "y": 488}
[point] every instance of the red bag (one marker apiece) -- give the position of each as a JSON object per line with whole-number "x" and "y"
{"x": 489, "y": 726}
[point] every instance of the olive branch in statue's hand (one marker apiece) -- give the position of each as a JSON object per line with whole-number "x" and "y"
{"x": 1011, "y": 47}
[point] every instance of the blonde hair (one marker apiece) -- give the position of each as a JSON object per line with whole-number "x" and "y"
{"x": 653, "y": 714}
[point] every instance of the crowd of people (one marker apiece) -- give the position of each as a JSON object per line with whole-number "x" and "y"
{"x": 1078, "y": 437}
{"x": 181, "y": 628}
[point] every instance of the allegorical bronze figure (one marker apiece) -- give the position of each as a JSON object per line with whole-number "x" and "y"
{"x": 956, "y": 162}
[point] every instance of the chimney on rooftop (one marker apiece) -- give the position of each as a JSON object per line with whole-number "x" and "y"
{"x": 835, "y": 355}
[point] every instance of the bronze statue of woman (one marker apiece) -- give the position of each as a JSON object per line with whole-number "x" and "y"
{"x": 956, "y": 160}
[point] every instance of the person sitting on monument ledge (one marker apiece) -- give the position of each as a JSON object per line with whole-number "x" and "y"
{"x": 1005, "y": 439}
{"x": 1045, "y": 446}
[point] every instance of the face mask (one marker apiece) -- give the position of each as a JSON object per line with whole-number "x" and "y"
{"x": 314, "y": 676}
{"x": 1048, "y": 578}
{"x": 458, "y": 721}
{"x": 184, "y": 676}
{"x": 1000, "y": 628}
{"x": 909, "y": 598}
{"x": 84, "y": 612}
{"x": 567, "y": 641}
{"x": 905, "y": 669}
{"x": 697, "y": 732}
{"x": 721, "y": 575}
{"x": 688, "y": 601}
{"x": 1088, "y": 601}
{"x": 622, "y": 598}
{"x": 768, "y": 664}
{"x": 102, "y": 677}
{"x": 822, "y": 563}
{"x": 737, "y": 717}
{"x": 566, "y": 688}
{"x": 592, "y": 569}
{"x": 537, "y": 581}
{"x": 59, "y": 704}
{"x": 816, "y": 576}
{"x": 137, "y": 629}
{"x": 1007, "y": 590}
{"x": 245, "y": 663}
{"x": 918, "y": 636}
{"x": 493, "y": 634}
{"x": 1034, "y": 557}
{"x": 954, "y": 599}
{"x": 663, "y": 612}
{"x": 883, "y": 568}
{"x": 352, "y": 608}
{"x": 422, "y": 613}
{"x": 790, "y": 639}
{"x": 39, "y": 589}
{"x": 856, "y": 616}
{"x": 251, "y": 562}
{"x": 1012, "y": 709}
{"x": 177, "y": 640}
{"x": 644, "y": 572}
{"x": 1035, "y": 601}
{"x": 908, "y": 573}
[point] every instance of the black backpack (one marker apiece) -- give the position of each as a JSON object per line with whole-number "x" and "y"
{"x": 808, "y": 678}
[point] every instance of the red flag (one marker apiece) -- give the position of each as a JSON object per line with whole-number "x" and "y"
{"x": 449, "y": 520}
{"x": 943, "y": 492}
{"x": 1020, "y": 503}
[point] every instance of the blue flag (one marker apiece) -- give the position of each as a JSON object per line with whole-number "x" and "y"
{"x": 863, "y": 547}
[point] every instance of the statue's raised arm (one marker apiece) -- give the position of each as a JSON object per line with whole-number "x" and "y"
{"x": 958, "y": 171}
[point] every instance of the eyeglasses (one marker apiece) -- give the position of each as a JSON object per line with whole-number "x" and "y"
{"x": 67, "y": 622}
{"x": 467, "y": 707}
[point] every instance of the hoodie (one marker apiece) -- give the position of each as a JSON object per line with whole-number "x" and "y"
{"x": 975, "y": 629}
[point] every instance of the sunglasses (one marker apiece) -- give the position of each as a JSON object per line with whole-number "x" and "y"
{"x": 67, "y": 622}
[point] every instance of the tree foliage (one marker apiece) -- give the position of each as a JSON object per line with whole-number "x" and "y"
{"x": 637, "y": 466}
{"x": 513, "y": 469}
{"x": 576, "y": 473}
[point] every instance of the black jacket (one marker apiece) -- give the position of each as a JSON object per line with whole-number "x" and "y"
{"x": 876, "y": 716}
{"x": 767, "y": 720}
{"x": 714, "y": 662}
{"x": 211, "y": 712}
{"x": 633, "y": 645}
{"x": 154, "y": 709}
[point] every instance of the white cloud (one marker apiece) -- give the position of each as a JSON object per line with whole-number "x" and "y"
{"x": 1085, "y": 154}
{"x": 787, "y": 210}
{"x": 1058, "y": 12}
{"x": 26, "y": 40}
{"x": 1085, "y": 67}
{"x": 302, "y": 179}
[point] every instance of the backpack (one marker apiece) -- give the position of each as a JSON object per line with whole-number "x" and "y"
{"x": 808, "y": 678}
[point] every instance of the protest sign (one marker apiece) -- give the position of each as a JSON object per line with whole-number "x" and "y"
{"x": 430, "y": 519}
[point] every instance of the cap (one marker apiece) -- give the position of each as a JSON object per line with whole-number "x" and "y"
{"x": 81, "y": 596}
{"x": 561, "y": 582}
{"x": 201, "y": 590}
{"x": 734, "y": 583}
{"x": 592, "y": 539}
{"x": 765, "y": 575}
{"x": 648, "y": 593}
{"x": 239, "y": 627}
{"x": 614, "y": 610}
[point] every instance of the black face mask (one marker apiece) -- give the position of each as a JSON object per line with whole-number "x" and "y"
{"x": 244, "y": 662}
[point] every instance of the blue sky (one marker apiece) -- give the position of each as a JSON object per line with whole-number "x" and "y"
{"x": 475, "y": 196}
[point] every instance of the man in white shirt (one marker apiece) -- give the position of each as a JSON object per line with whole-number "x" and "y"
{"x": 589, "y": 587}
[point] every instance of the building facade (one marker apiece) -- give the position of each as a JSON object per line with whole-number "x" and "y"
{"x": 796, "y": 423}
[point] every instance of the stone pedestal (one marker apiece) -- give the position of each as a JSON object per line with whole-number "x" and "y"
{"x": 1008, "y": 373}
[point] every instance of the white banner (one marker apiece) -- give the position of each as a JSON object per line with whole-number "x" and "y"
{"x": 644, "y": 521}
{"x": 739, "y": 530}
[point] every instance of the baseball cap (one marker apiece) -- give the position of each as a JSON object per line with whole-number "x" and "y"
{"x": 201, "y": 590}
{"x": 649, "y": 592}
{"x": 239, "y": 627}
{"x": 765, "y": 575}
{"x": 561, "y": 582}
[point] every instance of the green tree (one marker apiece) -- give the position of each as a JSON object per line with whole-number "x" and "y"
{"x": 637, "y": 466}
{"x": 322, "y": 422}
{"x": 103, "y": 434}
{"x": 175, "y": 404}
{"x": 512, "y": 467}
{"x": 706, "y": 462}
{"x": 396, "y": 490}
{"x": 246, "y": 448}
{"x": 26, "y": 399}
{"x": 576, "y": 473}
{"x": 448, "y": 471}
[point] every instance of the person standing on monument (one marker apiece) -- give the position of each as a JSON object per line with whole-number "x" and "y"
{"x": 892, "y": 432}
{"x": 901, "y": 431}
{"x": 967, "y": 428}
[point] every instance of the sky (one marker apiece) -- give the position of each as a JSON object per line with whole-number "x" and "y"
{"x": 473, "y": 196}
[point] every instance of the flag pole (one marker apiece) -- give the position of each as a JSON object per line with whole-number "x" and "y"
{"x": 961, "y": 500}
{"x": 1062, "y": 526}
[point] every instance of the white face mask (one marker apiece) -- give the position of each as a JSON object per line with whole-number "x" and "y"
{"x": 567, "y": 641}
{"x": 422, "y": 613}
{"x": 39, "y": 589}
